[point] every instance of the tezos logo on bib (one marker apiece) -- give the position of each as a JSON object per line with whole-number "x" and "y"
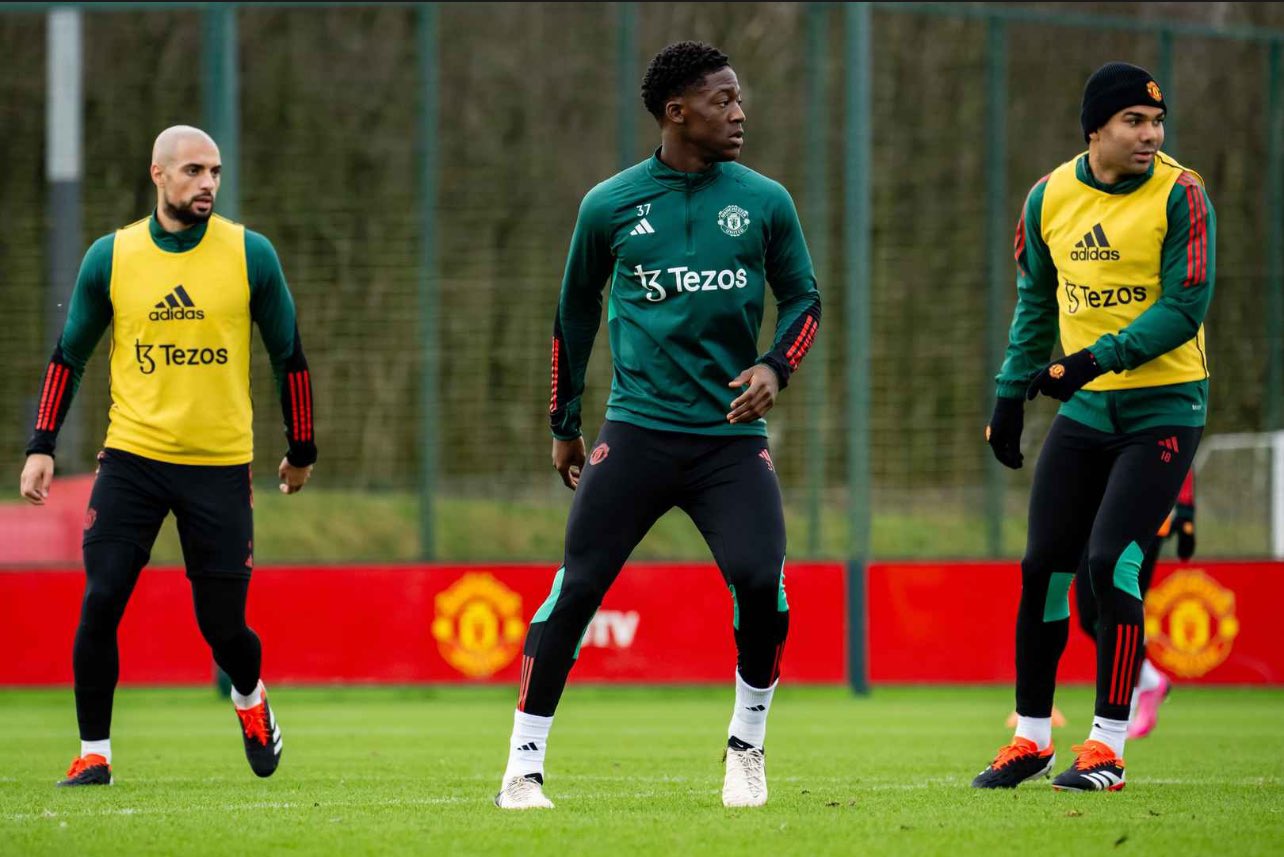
{"x": 733, "y": 220}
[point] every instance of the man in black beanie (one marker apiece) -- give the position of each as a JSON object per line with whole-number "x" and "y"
{"x": 1115, "y": 250}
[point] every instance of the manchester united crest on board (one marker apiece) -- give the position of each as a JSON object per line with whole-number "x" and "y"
{"x": 478, "y": 625}
{"x": 1190, "y": 623}
{"x": 733, "y": 220}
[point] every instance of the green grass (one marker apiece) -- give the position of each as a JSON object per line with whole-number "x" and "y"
{"x": 412, "y": 771}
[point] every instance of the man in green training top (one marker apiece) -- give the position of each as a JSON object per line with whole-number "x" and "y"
{"x": 1116, "y": 251}
{"x": 180, "y": 290}
{"x": 689, "y": 241}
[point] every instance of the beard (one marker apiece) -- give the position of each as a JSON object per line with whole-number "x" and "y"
{"x": 184, "y": 213}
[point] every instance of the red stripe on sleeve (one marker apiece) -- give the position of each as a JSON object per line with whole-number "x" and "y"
{"x": 1203, "y": 234}
{"x": 45, "y": 390}
{"x": 51, "y": 419}
{"x": 806, "y": 346}
{"x": 552, "y": 398}
{"x": 1018, "y": 242}
{"x": 1190, "y": 239}
{"x": 294, "y": 405}
{"x": 307, "y": 404}
{"x": 802, "y": 342}
{"x": 1197, "y": 241}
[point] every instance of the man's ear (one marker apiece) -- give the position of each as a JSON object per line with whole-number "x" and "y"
{"x": 158, "y": 174}
{"x": 674, "y": 111}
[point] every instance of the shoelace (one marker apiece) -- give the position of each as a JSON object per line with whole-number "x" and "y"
{"x": 254, "y": 722}
{"x": 1009, "y": 752}
{"x": 82, "y": 762}
{"x": 1093, "y": 754}
{"x": 522, "y": 788}
{"x": 750, "y": 763}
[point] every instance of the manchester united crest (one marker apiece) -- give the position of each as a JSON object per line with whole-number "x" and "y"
{"x": 1190, "y": 623}
{"x": 478, "y": 625}
{"x": 733, "y": 220}
{"x": 1152, "y": 89}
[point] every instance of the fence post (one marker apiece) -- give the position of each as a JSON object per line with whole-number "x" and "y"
{"x": 626, "y": 81}
{"x": 857, "y": 220}
{"x": 220, "y": 90}
{"x": 998, "y": 267}
{"x": 1168, "y": 80}
{"x": 1275, "y": 240}
{"x": 429, "y": 282}
{"x": 64, "y": 170}
{"x": 818, "y": 238}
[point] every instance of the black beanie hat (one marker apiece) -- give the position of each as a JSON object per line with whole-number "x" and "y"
{"x": 1113, "y": 87}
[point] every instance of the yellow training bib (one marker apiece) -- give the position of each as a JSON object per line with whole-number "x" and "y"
{"x": 1107, "y": 249}
{"x": 180, "y": 352}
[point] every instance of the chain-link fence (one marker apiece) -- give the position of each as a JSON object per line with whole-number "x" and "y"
{"x": 531, "y": 102}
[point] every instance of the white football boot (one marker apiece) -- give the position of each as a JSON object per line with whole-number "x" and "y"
{"x": 746, "y": 780}
{"x": 523, "y": 793}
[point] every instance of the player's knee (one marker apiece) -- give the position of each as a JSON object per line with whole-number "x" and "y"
{"x": 581, "y": 594}
{"x": 220, "y": 628}
{"x": 1115, "y": 569}
{"x": 102, "y": 608}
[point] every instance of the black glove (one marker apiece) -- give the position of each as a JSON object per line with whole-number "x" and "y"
{"x": 1003, "y": 434}
{"x": 1063, "y": 378}
{"x": 1184, "y": 522}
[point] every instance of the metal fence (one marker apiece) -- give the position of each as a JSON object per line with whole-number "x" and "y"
{"x": 419, "y": 167}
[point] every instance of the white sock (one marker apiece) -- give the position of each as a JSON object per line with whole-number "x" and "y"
{"x": 528, "y": 745}
{"x": 1036, "y": 729}
{"x": 749, "y": 718}
{"x": 1112, "y": 733}
{"x": 102, "y": 748}
{"x": 1150, "y": 678}
{"x": 255, "y": 697}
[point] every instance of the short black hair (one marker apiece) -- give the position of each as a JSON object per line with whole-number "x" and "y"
{"x": 672, "y": 70}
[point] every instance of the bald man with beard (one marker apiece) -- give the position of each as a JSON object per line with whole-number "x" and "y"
{"x": 180, "y": 289}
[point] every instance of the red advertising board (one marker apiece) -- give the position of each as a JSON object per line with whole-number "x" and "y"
{"x": 421, "y": 623}
{"x": 1208, "y": 622}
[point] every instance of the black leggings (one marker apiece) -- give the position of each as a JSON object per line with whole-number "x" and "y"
{"x": 727, "y": 485}
{"x": 1106, "y": 494}
{"x": 112, "y": 569}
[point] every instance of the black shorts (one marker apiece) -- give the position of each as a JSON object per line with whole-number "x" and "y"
{"x": 213, "y": 506}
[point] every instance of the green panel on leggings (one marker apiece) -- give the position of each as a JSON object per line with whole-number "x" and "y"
{"x": 546, "y": 609}
{"x": 1057, "y": 605}
{"x": 1127, "y": 570}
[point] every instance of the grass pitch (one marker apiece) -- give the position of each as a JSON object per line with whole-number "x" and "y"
{"x": 413, "y": 771}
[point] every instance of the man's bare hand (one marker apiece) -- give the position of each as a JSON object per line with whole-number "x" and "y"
{"x": 754, "y": 402}
{"x": 568, "y": 460}
{"x": 293, "y": 478}
{"x": 37, "y": 475}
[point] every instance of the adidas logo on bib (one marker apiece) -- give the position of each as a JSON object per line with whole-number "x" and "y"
{"x": 176, "y": 306}
{"x": 643, "y": 228}
{"x": 1094, "y": 247}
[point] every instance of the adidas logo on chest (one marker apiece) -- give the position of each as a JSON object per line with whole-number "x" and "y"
{"x": 176, "y": 306}
{"x": 1094, "y": 246}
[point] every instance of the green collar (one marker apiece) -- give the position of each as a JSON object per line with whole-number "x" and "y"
{"x": 175, "y": 242}
{"x": 1084, "y": 173}
{"x": 678, "y": 180}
